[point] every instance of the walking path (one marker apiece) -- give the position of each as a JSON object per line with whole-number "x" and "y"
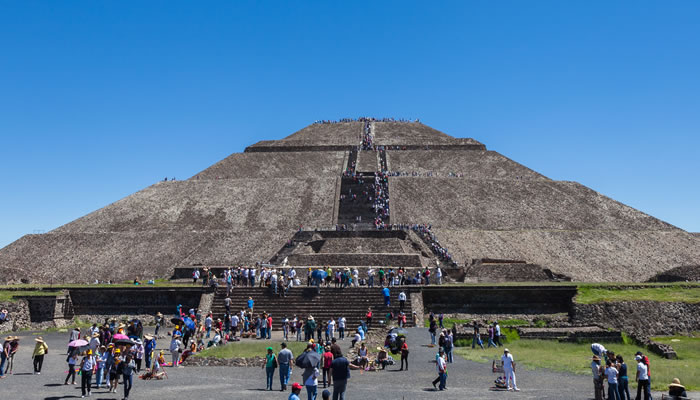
{"x": 466, "y": 380}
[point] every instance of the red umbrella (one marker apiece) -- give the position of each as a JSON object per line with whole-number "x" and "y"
{"x": 119, "y": 336}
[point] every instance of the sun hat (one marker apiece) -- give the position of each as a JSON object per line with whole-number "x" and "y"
{"x": 39, "y": 339}
{"x": 296, "y": 385}
{"x": 676, "y": 383}
{"x": 638, "y": 358}
{"x": 9, "y": 338}
{"x": 506, "y": 351}
{"x": 117, "y": 351}
{"x": 16, "y": 338}
{"x": 95, "y": 334}
{"x": 379, "y": 348}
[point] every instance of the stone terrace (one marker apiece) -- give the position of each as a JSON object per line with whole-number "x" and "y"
{"x": 231, "y": 204}
{"x": 604, "y": 255}
{"x": 412, "y": 133}
{"x": 474, "y": 164}
{"x": 116, "y": 256}
{"x": 511, "y": 205}
{"x": 344, "y": 133}
{"x": 300, "y": 165}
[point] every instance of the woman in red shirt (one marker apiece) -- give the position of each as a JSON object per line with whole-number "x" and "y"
{"x": 326, "y": 362}
{"x": 404, "y": 353}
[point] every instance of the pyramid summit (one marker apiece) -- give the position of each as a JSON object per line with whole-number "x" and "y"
{"x": 363, "y": 192}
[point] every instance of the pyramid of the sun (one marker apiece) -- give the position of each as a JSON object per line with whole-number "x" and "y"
{"x": 245, "y": 208}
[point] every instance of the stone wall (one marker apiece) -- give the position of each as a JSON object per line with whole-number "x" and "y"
{"x": 640, "y": 318}
{"x": 18, "y": 314}
{"x": 502, "y": 300}
{"x": 132, "y": 302}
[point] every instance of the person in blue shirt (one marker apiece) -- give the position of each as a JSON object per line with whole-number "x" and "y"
{"x": 296, "y": 389}
{"x": 386, "y": 296}
{"x": 149, "y": 347}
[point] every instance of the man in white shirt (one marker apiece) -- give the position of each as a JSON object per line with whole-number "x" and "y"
{"x": 402, "y": 300}
{"x": 611, "y": 373}
{"x": 331, "y": 328}
{"x": 341, "y": 327}
{"x": 509, "y": 370}
{"x": 355, "y": 277}
{"x": 438, "y": 274}
{"x": 273, "y": 282}
{"x": 370, "y": 277}
{"x": 234, "y": 325}
{"x": 291, "y": 275}
{"x": 251, "y": 276}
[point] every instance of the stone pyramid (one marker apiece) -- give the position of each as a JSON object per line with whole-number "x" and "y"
{"x": 247, "y": 208}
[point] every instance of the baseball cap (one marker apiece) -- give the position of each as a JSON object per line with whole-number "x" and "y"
{"x": 296, "y": 385}
{"x": 638, "y": 358}
{"x": 506, "y": 351}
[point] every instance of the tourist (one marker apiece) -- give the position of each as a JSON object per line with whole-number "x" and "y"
{"x": 284, "y": 358}
{"x": 599, "y": 350}
{"x": 497, "y": 333}
{"x": 310, "y": 377}
{"x": 251, "y": 303}
{"x": 509, "y": 370}
{"x": 72, "y": 361}
{"x": 341, "y": 328}
{"x": 448, "y": 346}
{"x": 599, "y": 392}
{"x": 645, "y": 360}
{"x": 611, "y": 374}
{"x": 195, "y": 273}
{"x": 433, "y": 330}
{"x": 340, "y": 371}
{"x": 622, "y": 379}
{"x": 363, "y": 356}
{"x": 4, "y": 315}
{"x": 382, "y": 357}
{"x": 270, "y": 365}
{"x": 113, "y": 361}
{"x": 475, "y": 334}
{"x": 404, "y": 352}
{"x": 676, "y": 389}
{"x": 402, "y": 300}
{"x": 38, "y": 354}
{"x": 176, "y": 347}
{"x": 127, "y": 368}
{"x": 441, "y": 366}
{"x": 326, "y": 360}
{"x": 101, "y": 361}
{"x": 642, "y": 379}
{"x": 335, "y": 349}
{"x": 368, "y": 317}
{"x": 296, "y": 389}
{"x": 87, "y": 366}
{"x": 160, "y": 321}
{"x": 5, "y": 355}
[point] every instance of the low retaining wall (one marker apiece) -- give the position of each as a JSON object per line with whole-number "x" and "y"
{"x": 499, "y": 300}
{"x": 142, "y": 301}
{"x": 322, "y": 259}
{"x": 640, "y": 318}
{"x": 18, "y": 316}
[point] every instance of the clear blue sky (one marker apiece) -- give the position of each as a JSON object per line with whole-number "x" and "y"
{"x": 101, "y": 99}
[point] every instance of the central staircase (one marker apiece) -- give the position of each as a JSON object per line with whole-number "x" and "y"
{"x": 350, "y": 302}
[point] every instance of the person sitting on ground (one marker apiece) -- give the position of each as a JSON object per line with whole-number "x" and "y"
{"x": 363, "y": 356}
{"x": 4, "y": 315}
{"x": 382, "y": 357}
{"x": 676, "y": 389}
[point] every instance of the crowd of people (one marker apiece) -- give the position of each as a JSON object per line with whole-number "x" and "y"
{"x": 364, "y": 119}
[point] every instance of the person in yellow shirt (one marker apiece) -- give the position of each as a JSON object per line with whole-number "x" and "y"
{"x": 38, "y": 355}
